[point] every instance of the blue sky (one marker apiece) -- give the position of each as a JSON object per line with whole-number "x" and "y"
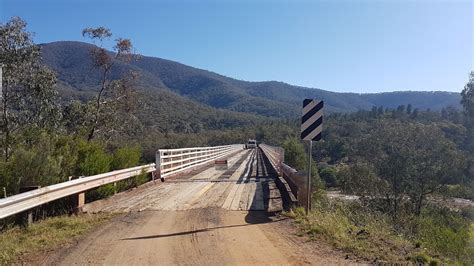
{"x": 346, "y": 46}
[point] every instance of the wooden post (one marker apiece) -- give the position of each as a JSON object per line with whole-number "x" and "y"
{"x": 81, "y": 201}
{"x": 78, "y": 200}
{"x": 26, "y": 218}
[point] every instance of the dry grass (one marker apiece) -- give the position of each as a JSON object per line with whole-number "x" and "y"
{"x": 370, "y": 241}
{"x": 372, "y": 237}
{"x": 16, "y": 242}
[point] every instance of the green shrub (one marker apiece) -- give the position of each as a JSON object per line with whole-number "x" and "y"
{"x": 422, "y": 258}
{"x": 296, "y": 157}
{"x": 295, "y": 153}
{"x": 464, "y": 191}
{"x": 92, "y": 159}
{"x": 126, "y": 157}
{"x": 47, "y": 159}
{"x": 445, "y": 232}
{"x": 329, "y": 176}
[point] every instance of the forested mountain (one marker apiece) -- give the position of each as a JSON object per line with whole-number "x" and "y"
{"x": 77, "y": 77}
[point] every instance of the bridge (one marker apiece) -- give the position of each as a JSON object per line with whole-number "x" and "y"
{"x": 215, "y": 205}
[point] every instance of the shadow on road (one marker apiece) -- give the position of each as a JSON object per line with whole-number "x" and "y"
{"x": 264, "y": 173}
{"x": 252, "y": 218}
{"x": 246, "y": 174}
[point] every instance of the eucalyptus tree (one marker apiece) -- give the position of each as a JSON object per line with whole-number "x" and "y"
{"x": 468, "y": 103}
{"x": 412, "y": 161}
{"x": 114, "y": 96}
{"x": 468, "y": 96}
{"x": 29, "y": 95}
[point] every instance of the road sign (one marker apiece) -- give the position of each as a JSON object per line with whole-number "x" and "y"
{"x": 312, "y": 120}
{"x": 311, "y": 128}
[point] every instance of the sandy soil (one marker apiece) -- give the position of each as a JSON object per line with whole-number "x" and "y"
{"x": 211, "y": 236}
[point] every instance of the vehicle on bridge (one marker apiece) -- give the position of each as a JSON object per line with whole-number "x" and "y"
{"x": 251, "y": 144}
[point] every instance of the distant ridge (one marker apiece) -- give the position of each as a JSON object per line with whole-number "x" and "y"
{"x": 77, "y": 77}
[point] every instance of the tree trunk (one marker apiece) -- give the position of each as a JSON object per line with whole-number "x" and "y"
{"x": 91, "y": 133}
{"x": 418, "y": 205}
{"x": 6, "y": 124}
{"x": 97, "y": 112}
{"x": 395, "y": 209}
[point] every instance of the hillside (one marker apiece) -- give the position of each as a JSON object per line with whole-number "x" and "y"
{"x": 77, "y": 77}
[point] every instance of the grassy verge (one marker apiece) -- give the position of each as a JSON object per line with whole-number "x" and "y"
{"x": 439, "y": 237}
{"x": 44, "y": 235}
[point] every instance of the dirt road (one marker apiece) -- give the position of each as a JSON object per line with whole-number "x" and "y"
{"x": 213, "y": 217}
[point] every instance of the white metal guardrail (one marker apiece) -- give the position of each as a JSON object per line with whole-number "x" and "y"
{"x": 291, "y": 176}
{"x": 27, "y": 200}
{"x": 275, "y": 155}
{"x": 294, "y": 181}
{"x": 170, "y": 161}
{"x": 284, "y": 181}
{"x": 177, "y": 160}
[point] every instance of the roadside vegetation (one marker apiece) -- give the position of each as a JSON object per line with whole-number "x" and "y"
{"x": 45, "y": 235}
{"x": 404, "y": 166}
{"x": 437, "y": 236}
{"x": 44, "y": 141}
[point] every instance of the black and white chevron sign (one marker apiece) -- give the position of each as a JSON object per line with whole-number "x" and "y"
{"x": 312, "y": 120}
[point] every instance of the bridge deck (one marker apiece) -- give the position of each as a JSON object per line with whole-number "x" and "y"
{"x": 196, "y": 219}
{"x": 247, "y": 184}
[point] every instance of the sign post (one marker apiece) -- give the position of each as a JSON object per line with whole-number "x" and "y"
{"x": 311, "y": 128}
{"x": 308, "y": 182}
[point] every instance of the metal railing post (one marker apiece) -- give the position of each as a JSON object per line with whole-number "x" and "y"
{"x": 157, "y": 172}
